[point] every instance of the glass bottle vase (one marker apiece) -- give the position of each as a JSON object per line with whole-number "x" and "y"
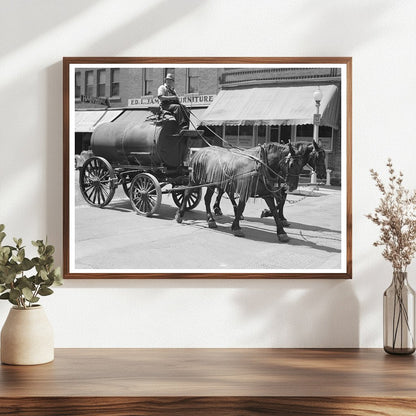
{"x": 399, "y": 316}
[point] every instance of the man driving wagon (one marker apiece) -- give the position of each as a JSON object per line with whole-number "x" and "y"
{"x": 169, "y": 101}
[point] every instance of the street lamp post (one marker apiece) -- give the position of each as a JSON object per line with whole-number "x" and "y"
{"x": 317, "y": 96}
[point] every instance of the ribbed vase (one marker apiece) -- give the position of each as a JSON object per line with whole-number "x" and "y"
{"x": 27, "y": 337}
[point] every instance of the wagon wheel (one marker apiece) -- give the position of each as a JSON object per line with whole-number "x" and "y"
{"x": 145, "y": 194}
{"x": 96, "y": 181}
{"x": 193, "y": 200}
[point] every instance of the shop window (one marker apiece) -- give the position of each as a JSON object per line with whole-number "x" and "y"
{"x": 193, "y": 80}
{"x": 89, "y": 83}
{"x": 280, "y": 134}
{"x": 101, "y": 77}
{"x": 245, "y": 137}
{"x": 304, "y": 132}
{"x": 274, "y": 134}
{"x": 231, "y": 135}
{"x": 77, "y": 84}
{"x": 115, "y": 82}
{"x": 285, "y": 134}
{"x": 261, "y": 134}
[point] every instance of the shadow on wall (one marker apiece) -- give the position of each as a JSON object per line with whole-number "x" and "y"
{"x": 300, "y": 313}
{"x": 142, "y": 26}
{"x": 349, "y": 23}
{"x": 45, "y": 17}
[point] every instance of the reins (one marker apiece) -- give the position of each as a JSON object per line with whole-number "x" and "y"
{"x": 254, "y": 158}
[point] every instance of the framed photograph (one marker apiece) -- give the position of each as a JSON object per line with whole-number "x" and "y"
{"x": 207, "y": 168}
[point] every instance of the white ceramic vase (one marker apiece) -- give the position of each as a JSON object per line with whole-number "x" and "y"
{"x": 27, "y": 337}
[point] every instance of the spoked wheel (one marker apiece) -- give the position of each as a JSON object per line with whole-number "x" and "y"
{"x": 96, "y": 181}
{"x": 145, "y": 194}
{"x": 193, "y": 200}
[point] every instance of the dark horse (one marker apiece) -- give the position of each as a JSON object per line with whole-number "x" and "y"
{"x": 313, "y": 155}
{"x": 249, "y": 173}
{"x": 315, "y": 158}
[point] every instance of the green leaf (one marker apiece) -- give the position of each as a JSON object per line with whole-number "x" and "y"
{"x": 14, "y": 302}
{"x": 9, "y": 277}
{"x": 27, "y": 293}
{"x": 43, "y": 274}
{"x": 37, "y": 243}
{"x": 26, "y": 264}
{"x": 58, "y": 280}
{"x": 49, "y": 250}
{"x": 21, "y": 255}
{"x": 15, "y": 294}
{"x": 45, "y": 291}
{"x": 24, "y": 282}
{"x": 2, "y": 236}
{"x": 2, "y": 227}
{"x": 2, "y": 288}
{"x": 5, "y": 295}
{"x": 18, "y": 242}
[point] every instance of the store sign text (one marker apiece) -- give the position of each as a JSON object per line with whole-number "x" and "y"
{"x": 188, "y": 100}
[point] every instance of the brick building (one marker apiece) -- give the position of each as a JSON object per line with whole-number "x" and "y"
{"x": 244, "y": 106}
{"x": 104, "y": 94}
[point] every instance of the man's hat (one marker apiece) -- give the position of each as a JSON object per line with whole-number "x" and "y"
{"x": 170, "y": 76}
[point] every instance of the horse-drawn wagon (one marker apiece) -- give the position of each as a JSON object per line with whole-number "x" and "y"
{"x": 150, "y": 159}
{"x": 143, "y": 158}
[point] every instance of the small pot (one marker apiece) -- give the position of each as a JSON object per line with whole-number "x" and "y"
{"x": 27, "y": 337}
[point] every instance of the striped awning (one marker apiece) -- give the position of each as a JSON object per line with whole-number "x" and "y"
{"x": 273, "y": 106}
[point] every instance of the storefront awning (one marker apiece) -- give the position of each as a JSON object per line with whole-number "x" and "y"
{"x": 87, "y": 120}
{"x": 273, "y": 106}
{"x": 196, "y": 117}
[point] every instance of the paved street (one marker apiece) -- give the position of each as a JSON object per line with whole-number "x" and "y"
{"x": 115, "y": 237}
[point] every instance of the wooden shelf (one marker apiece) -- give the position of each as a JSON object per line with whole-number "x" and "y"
{"x": 212, "y": 382}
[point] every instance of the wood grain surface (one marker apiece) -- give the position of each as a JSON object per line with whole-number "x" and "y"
{"x": 212, "y": 381}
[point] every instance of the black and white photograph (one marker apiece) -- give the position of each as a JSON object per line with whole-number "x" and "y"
{"x": 211, "y": 169}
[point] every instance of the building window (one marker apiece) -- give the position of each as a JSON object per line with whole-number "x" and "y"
{"x": 147, "y": 81}
{"x": 77, "y": 84}
{"x": 168, "y": 71}
{"x": 192, "y": 80}
{"x": 115, "y": 82}
{"x": 89, "y": 83}
{"x": 101, "y": 76}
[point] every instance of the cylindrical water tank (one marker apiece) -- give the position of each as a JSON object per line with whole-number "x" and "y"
{"x": 150, "y": 143}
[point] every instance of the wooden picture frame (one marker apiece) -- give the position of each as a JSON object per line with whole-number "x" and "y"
{"x": 239, "y": 102}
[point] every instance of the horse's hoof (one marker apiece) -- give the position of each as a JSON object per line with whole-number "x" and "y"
{"x": 178, "y": 218}
{"x": 218, "y": 212}
{"x": 238, "y": 233}
{"x": 283, "y": 238}
{"x": 212, "y": 224}
{"x": 285, "y": 223}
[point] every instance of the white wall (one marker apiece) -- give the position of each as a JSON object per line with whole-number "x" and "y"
{"x": 380, "y": 35}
